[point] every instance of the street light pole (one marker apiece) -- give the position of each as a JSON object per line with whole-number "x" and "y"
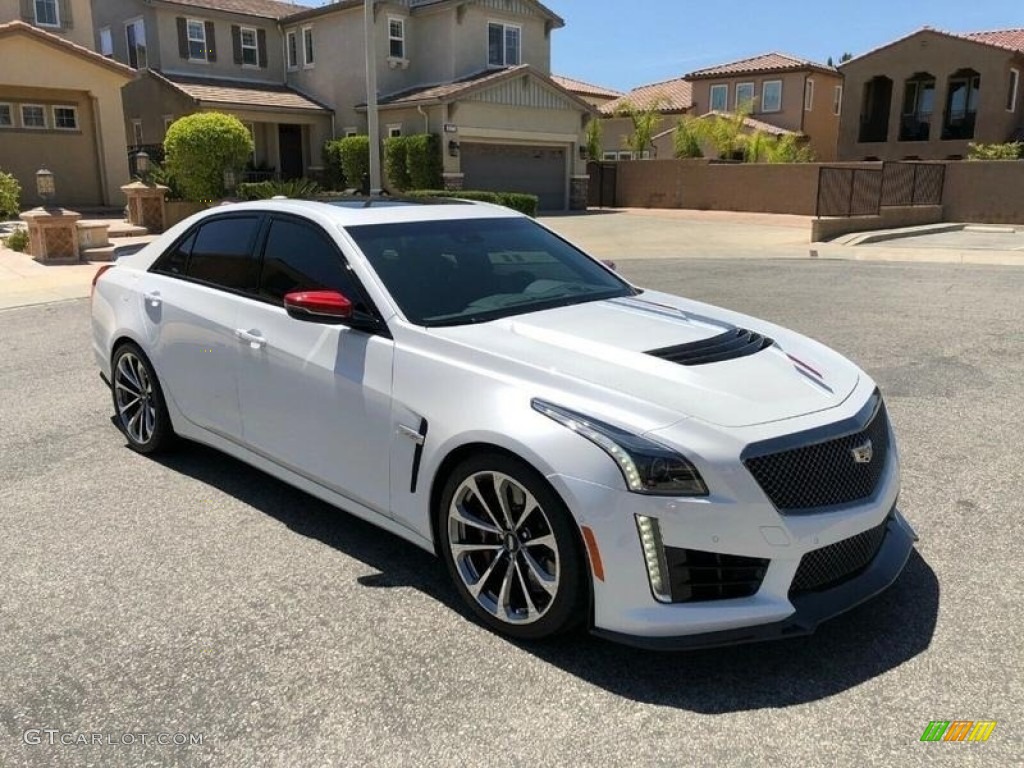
{"x": 371, "y": 97}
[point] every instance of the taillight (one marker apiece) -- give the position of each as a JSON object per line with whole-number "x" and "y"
{"x": 97, "y": 276}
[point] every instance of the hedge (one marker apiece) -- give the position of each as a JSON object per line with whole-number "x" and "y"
{"x": 517, "y": 201}
{"x": 423, "y": 160}
{"x": 396, "y": 162}
{"x": 353, "y": 153}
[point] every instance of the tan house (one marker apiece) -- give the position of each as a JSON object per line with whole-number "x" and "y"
{"x": 475, "y": 72}
{"x": 928, "y": 95}
{"x": 671, "y": 98}
{"x": 60, "y": 107}
{"x": 595, "y": 95}
{"x": 213, "y": 55}
{"x": 784, "y": 91}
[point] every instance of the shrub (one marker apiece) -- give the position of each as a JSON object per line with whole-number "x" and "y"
{"x": 423, "y": 161}
{"x": 200, "y": 147}
{"x": 17, "y": 240}
{"x": 10, "y": 194}
{"x": 517, "y": 201}
{"x": 354, "y": 154}
{"x": 396, "y": 162}
{"x": 1011, "y": 150}
{"x": 334, "y": 174}
{"x": 592, "y": 138}
{"x": 296, "y": 189}
{"x": 686, "y": 139}
{"x": 160, "y": 175}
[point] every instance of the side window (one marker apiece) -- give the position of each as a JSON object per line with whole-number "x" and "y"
{"x": 298, "y": 257}
{"x": 222, "y": 253}
{"x": 175, "y": 261}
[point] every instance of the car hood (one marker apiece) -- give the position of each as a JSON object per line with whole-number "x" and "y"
{"x": 607, "y": 344}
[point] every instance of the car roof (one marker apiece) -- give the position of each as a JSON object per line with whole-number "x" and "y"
{"x": 355, "y": 211}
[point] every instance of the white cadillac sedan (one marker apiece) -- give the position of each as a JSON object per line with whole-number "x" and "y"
{"x": 577, "y": 450}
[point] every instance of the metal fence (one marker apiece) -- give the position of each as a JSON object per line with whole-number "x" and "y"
{"x": 601, "y": 192}
{"x": 864, "y": 191}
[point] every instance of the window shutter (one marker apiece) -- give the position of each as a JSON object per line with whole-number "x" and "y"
{"x": 261, "y": 47}
{"x": 236, "y": 43}
{"x": 211, "y": 42}
{"x": 182, "y": 37}
{"x": 28, "y": 12}
{"x": 66, "y": 20}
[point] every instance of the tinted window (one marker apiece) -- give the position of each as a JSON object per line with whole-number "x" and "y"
{"x": 299, "y": 257}
{"x": 223, "y": 253}
{"x": 472, "y": 270}
{"x": 175, "y": 261}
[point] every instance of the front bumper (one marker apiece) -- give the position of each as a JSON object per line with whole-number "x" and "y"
{"x": 811, "y": 608}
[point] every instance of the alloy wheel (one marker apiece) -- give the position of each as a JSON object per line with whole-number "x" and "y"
{"x": 135, "y": 398}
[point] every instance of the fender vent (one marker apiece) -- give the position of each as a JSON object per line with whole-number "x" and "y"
{"x": 738, "y": 342}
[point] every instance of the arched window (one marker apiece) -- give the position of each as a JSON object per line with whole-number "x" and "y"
{"x": 918, "y": 105}
{"x": 961, "y": 105}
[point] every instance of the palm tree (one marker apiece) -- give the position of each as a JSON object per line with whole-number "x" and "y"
{"x": 645, "y": 123}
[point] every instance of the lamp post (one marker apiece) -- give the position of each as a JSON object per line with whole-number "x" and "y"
{"x": 142, "y": 164}
{"x": 373, "y": 128}
{"x": 46, "y": 186}
{"x": 230, "y": 180}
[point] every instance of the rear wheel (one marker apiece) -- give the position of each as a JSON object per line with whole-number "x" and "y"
{"x": 511, "y": 547}
{"x": 139, "y": 407}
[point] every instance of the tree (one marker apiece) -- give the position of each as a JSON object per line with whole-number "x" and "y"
{"x": 687, "y": 138}
{"x": 645, "y": 123}
{"x": 199, "y": 148}
{"x": 10, "y": 194}
{"x": 725, "y": 133}
{"x": 592, "y": 139}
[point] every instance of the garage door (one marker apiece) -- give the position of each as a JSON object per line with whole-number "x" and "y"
{"x": 497, "y": 168}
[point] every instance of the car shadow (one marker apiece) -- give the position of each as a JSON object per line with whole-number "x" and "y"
{"x": 845, "y": 652}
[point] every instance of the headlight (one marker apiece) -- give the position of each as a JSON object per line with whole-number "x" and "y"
{"x": 646, "y": 466}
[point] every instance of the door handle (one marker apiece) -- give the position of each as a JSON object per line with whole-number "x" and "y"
{"x": 153, "y": 298}
{"x": 253, "y": 338}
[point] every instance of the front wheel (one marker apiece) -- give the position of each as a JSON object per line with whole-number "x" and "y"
{"x": 511, "y": 547}
{"x": 139, "y": 407}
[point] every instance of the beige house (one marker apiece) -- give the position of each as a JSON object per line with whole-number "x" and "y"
{"x": 475, "y": 72}
{"x": 60, "y": 108}
{"x": 792, "y": 94}
{"x": 71, "y": 19}
{"x": 671, "y": 98}
{"x": 594, "y": 95}
{"x": 928, "y": 95}
{"x": 213, "y": 55}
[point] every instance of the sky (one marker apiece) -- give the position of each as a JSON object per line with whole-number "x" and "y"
{"x": 625, "y": 43}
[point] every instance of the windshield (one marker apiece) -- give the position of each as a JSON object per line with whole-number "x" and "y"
{"x": 472, "y": 270}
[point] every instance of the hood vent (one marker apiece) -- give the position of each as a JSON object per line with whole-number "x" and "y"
{"x": 738, "y": 342}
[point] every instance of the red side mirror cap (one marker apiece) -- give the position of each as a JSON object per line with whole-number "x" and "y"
{"x": 318, "y": 306}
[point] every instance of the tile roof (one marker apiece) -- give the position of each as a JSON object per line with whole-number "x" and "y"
{"x": 1007, "y": 39}
{"x": 236, "y": 93}
{"x": 768, "y": 62}
{"x": 585, "y": 89}
{"x": 16, "y": 27}
{"x": 669, "y": 96}
{"x": 267, "y": 9}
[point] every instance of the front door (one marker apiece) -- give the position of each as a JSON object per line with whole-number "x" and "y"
{"x": 289, "y": 138}
{"x": 316, "y": 398}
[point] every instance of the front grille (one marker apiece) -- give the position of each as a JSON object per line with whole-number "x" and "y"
{"x": 825, "y": 473}
{"x": 826, "y": 567}
{"x": 738, "y": 342}
{"x": 695, "y": 576}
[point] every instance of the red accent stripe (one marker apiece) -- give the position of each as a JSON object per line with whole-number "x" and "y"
{"x": 802, "y": 364}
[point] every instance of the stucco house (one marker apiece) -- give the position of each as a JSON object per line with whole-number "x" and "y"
{"x": 926, "y": 96}
{"x": 60, "y": 104}
{"x": 787, "y": 92}
{"x": 671, "y": 98}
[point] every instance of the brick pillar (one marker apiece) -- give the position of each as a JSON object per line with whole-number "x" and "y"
{"x": 453, "y": 181}
{"x": 52, "y": 234}
{"x": 146, "y": 205}
{"x": 578, "y": 188}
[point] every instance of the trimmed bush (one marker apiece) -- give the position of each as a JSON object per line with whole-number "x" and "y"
{"x": 296, "y": 189}
{"x": 354, "y": 154}
{"x": 517, "y": 201}
{"x": 396, "y": 162}
{"x": 200, "y": 147}
{"x": 423, "y": 161}
{"x": 334, "y": 174}
{"x": 10, "y": 196}
{"x": 17, "y": 240}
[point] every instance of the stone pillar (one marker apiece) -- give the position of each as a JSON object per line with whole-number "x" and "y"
{"x": 578, "y": 190}
{"x": 146, "y": 205}
{"x": 52, "y": 234}
{"x": 453, "y": 181}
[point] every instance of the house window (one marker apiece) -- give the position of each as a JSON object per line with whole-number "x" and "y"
{"x": 6, "y": 116}
{"x": 293, "y": 50}
{"x": 608, "y": 155}
{"x": 350, "y": 132}
{"x": 961, "y": 105}
{"x": 396, "y": 38}
{"x": 874, "y": 109}
{"x": 503, "y": 44}
{"x": 47, "y": 14}
{"x": 168, "y": 122}
{"x": 196, "y": 40}
{"x": 918, "y": 105}
{"x": 106, "y": 42}
{"x": 744, "y": 96}
{"x": 394, "y": 131}
{"x": 135, "y": 35}
{"x": 33, "y": 116}
{"x": 250, "y": 53}
{"x": 837, "y": 100}
{"x": 809, "y": 96}
{"x": 307, "y": 47}
{"x": 719, "y": 98}
{"x": 771, "y": 96}
{"x": 65, "y": 118}
{"x": 1011, "y": 91}
{"x": 137, "y": 132}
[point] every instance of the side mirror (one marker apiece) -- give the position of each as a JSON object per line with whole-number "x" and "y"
{"x": 328, "y": 307}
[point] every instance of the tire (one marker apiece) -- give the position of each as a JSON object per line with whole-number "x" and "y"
{"x": 140, "y": 410}
{"x": 519, "y": 566}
